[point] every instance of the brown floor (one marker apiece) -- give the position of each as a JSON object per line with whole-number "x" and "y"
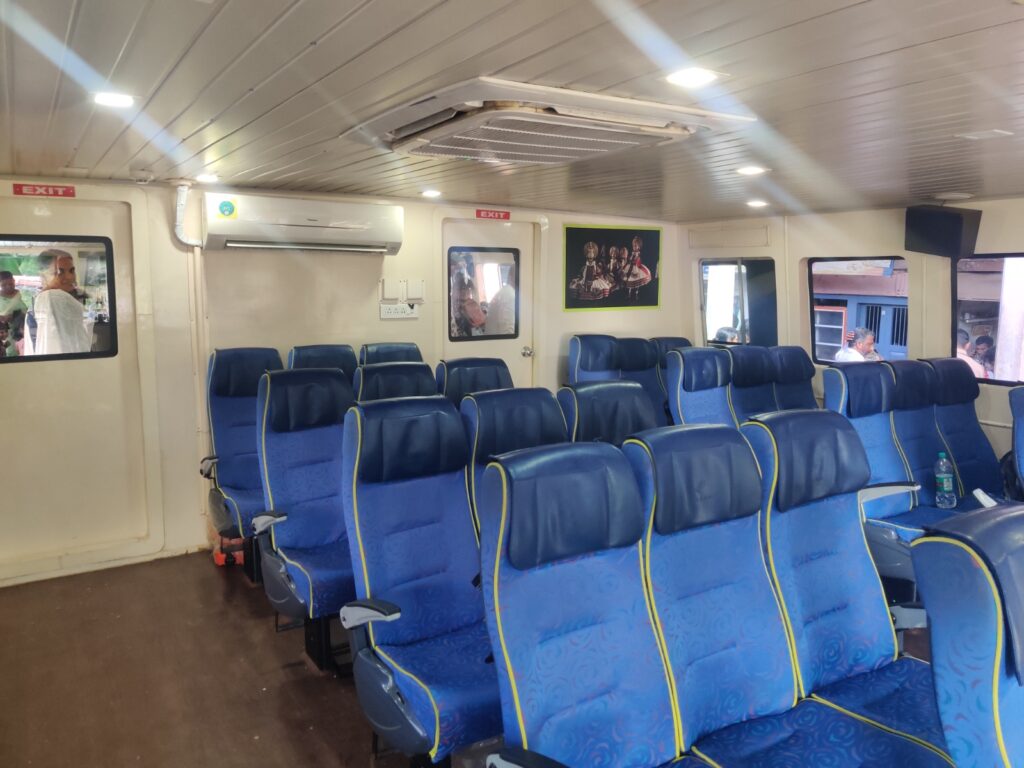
{"x": 173, "y": 663}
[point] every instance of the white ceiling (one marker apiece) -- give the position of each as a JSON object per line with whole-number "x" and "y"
{"x": 858, "y": 101}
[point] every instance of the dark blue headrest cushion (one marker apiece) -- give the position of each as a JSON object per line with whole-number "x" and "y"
{"x": 704, "y": 368}
{"x": 409, "y": 437}
{"x": 635, "y": 354}
{"x": 236, "y": 372}
{"x": 751, "y": 366}
{"x": 569, "y": 500}
{"x": 792, "y": 365}
{"x": 869, "y": 389}
{"x": 385, "y": 380}
{"x": 665, "y": 343}
{"x": 390, "y": 352}
{"x": 915, "y": 384}
{"x": 955, "y": 382}
{"x": 307, "y": 398}
{"x": 473, "y": 374}
{"x": 325, "y": 356}
{"x": 510, "y": 419}
{"x": 611, "y": 411}
{"x": 819, "y": 455}
{"x": 597, "y": 352}
{"x": 703, "y": 475}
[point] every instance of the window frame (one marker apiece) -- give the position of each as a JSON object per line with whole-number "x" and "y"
{"x": 954, "y": 300}
{"x": 108, "y": 257}
{"x": 455, "y": 249}
{"x": 739, "y": 261}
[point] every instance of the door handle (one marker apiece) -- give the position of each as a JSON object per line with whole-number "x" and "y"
{"x": 527, "y": 352}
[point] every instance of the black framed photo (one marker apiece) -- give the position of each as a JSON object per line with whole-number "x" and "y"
{"x": 611, "y": 267}
{"x": 483, "y": 293}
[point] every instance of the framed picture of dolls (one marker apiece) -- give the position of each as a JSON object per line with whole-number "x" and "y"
{"x": 611, "y": 267}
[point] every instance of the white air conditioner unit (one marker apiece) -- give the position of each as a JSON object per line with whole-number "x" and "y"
{"x": 255, "y": 221}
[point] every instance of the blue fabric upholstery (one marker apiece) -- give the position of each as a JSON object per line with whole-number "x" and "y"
{"x": 596, "y": 357}
{"x": 382, "y": 381}
{"x": 1017, "y": 410}
{"x": 413, "y": 543}
{"x": 606, "y": 411}
{"x": 300, "y": 427}
{"x": 458, "y": 378}
{"x": 697, "y": 382}
{"x": 592, "y": 358}
{"x": 909, "y": 525}
{"x": 233, "y": 377}
{"x": 970, "y": 450}
{"x": 581, "y": 675}
{"x": 665, "y": 344}
{"x": 324, "y": 356}
{"x": 752, "y": 388}
{"x": 389, "y": 352}
{"x": 914, "y": 423}
{"x": 794, "y": 373}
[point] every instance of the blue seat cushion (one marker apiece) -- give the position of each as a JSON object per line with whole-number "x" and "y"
{"x": 909, "y": 525}
{"x": 455, "y": 691}
{"x": 243, "y": 504}
{"x": 813, "y": 734}
{"x": 322, "y": 576}
{"x": 900, "y": 695}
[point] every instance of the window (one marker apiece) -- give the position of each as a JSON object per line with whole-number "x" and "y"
{"x": 56, "y": 298}
{"x": 483, "y": 293}
{"x": 739, "y": 301}
{"x": 852, "y": 294}
{"x": 988, "y": 317}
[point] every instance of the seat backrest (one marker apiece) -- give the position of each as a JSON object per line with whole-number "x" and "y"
{"x": 324, "y": 356}
{"x": 794, "y": 373}
{"x": 751, "y": 390}
{"x": 720, "y": 623}
{"x": 698, "y": 380}
{"x": 605, "y": 411}
{"x": 1017, "y": 410}
{"x": 913, "y": 418}
{"x": 580, "y": 672}
{"x": 301, "y": 414}
{"x": 389, "y": 352}
{"x": 638, "y": 360}
{"x": 232, "y": 380}
{"x": 666, "y": 344}
{"x": 864, "y": 393}
{"x": 813, "y": 465}
{"x": 504, "y": 420}
{"x": 592, "y": 357}
{"x": 458, "y": 378}
{"x": 382, "y": 381}
{"x": 410, "y": 530}
{"x": 970, "y": 450}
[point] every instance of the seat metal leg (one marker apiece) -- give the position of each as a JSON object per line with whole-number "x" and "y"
{"x": 252, "y": 566}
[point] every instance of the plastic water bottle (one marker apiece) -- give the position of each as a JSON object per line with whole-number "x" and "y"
{"x": 945, "y": 496}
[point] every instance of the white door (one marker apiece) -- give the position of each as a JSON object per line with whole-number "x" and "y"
{"x": 489, "y": 304}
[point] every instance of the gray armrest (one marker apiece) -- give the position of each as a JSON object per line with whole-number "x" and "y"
{"x": 262, "y": 523}
{"x": 207, "y": 465}
{"x": 361, "y": 612}
{"x": 881, "y": 490}
{"x": 516, "y": 757}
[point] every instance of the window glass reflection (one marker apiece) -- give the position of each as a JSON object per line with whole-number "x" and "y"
{"x": 483, "y": 298}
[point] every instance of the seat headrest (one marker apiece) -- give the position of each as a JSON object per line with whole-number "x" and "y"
{"x": 704, "y": 368}
{"x": 751, "y": 366}
{"x": 596, "y": 351}
{"x": 915, "y": 384}
{"x": 390, "y": 352}
{"x": 702, "y": 474}
{"x": 324, "y": 356}
{"x": 955, "y": 382}
{"x": 611, "y": 411}
{"x": 569, "y": 500}
{"x": 236, "y": 372}
{"x": 510, "y": 419}
{"x": 635, "y": 354}
{"x": 792, "y": 365}
{"x": 381, "y": 381}
{"x": 667, "y": 343}
{"x": 457, "y": 378}
{"x": 407, "y": 438}
{"x": 817, "y": 455}
{"x": 869, "y": 388}
{"x": 305, "y": 399}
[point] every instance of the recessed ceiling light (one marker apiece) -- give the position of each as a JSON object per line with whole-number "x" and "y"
{"x": 751, "y": 170}
{"x": 692, "y": 77}
{"x": 992, "y": 133}
{"x": 207, "y": 178}
{"x": 952, "y": 195}
{"x": 431, "y": 193}
{"x": 757, "y": 203}
{"x": 110, "y": 99}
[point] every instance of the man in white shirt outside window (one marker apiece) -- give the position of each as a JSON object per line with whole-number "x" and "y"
{"x": 860, "y": 349}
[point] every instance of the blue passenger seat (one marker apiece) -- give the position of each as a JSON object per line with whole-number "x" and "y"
{"x": 592, "y": 357}
{"x": 752, "y": 386}
{"x": 458, "y": 378}
{"x": 605, "y": 411}
{"x": 421, "y": 651}
{"x": 698, "y": 380}
{"x": 815, "y": 471}
{"x": 381, "y": 381}
{"x": 596, "y": 357}
{"x": 324, "y": 356}
{"x": 794, "y": 373}
{"x": 389, "y": 352}
{"x": 1017, "y": 411}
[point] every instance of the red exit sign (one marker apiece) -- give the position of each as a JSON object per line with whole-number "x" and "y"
{"x": 490, "y": 213}
{"x": 44, "y": 190}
